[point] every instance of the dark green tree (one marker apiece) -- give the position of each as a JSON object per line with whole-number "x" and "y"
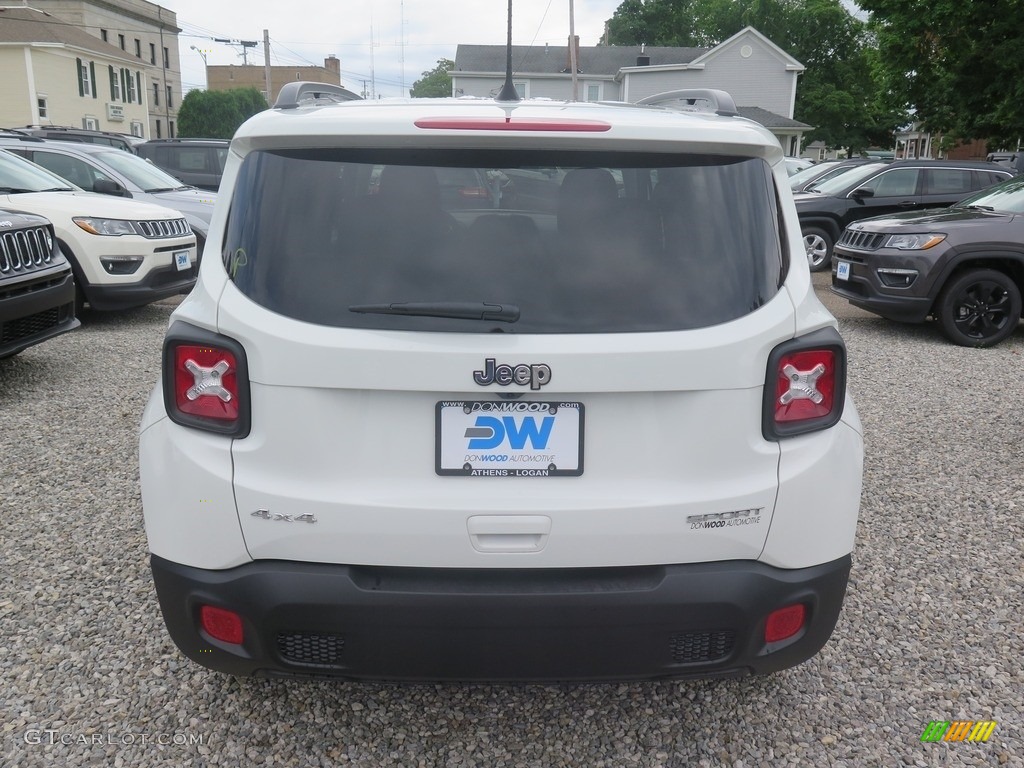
{"x": 837, "y": 93}
{"x": 217, "y": 114}
{"x": 435, "y": 83}
{"x": 958, "y": 65}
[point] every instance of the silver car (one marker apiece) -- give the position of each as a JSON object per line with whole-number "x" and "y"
{"x": 111, "y": 171}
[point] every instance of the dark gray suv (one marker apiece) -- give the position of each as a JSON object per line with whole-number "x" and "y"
{"x": 962, "y": 265}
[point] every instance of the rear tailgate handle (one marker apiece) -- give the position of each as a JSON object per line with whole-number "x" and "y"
{"x": 509, "y": 533}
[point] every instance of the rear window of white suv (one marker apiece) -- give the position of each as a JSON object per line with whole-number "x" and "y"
{"x": 505, "y": 240}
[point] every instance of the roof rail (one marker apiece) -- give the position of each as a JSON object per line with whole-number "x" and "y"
{"x": 721, "y": 102}
{"x": 293, "y": 93}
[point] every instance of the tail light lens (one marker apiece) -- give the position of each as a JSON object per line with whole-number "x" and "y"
{"x": 205, "y": 381}
{"x": 805, "y": 386}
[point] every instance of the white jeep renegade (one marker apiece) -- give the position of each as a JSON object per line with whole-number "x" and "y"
{"x": 494, "y": 390}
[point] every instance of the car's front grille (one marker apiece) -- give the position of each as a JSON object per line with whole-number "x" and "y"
{"x": 24, "y": 327}
{"x": 159, "y": 228}
{"x": 862, "y": 241}
{"x": 702, "y": 647}
{"x": 24, "y": 250}
{"x": 316, "y": 650}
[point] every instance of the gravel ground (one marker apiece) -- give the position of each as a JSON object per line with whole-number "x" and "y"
{"x": 931, "y": 629}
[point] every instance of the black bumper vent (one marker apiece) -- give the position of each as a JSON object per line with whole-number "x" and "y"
{"x": 24, "y": 327}
{"x": 696, "y": 647}
{"x": 316, "y": 650}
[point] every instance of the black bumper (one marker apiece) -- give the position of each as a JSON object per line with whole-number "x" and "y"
{"x": 160, "y": 283}
{"x": 35, "y": 310}
{"x": 411, "y": 624}
{"x": 902, "y": 309}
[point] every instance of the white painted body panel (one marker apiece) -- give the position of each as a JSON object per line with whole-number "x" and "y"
{"x": 343, "y": 419}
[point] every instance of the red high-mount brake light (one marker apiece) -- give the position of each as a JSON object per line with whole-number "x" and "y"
{"x": 805, "y": 385}
{"x": 205, "y": 381}
{"x": 556, "y": 124}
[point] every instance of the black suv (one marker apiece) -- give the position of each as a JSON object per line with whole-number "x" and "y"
{"x": 963, "y": 265}
{"x": 882, "y": 188}
{"x": 197, "y": 162}
{"x": 37, "y": 291}
{"x": 62, "y": 133}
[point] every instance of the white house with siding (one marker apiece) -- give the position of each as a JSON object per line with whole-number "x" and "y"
{"x": 761, "y": 77}
{"x": 57, "y": 74}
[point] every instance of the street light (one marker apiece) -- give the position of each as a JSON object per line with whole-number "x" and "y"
{"x": 201, "y": 53}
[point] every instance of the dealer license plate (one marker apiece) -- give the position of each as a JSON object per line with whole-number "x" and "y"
{"x": 843, "y": 270}
{"x": 509, "y": 438}
{"x": 181, "y": 260}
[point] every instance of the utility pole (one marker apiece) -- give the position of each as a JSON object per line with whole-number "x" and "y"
{"x": 266, "y": 64}
{"x": 573, "y": 64}
{"x": 246, "y": 45}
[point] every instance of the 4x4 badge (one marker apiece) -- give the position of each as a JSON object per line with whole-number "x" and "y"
{"x": 268, "y": 515}
{"x": 535, "y": 374}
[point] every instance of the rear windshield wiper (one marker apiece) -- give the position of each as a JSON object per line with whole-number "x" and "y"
{"x": 468, "y": 310}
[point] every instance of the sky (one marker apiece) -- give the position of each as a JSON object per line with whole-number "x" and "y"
{"x": 382, "y": 44}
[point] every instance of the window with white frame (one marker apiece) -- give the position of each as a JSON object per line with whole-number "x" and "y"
{"x": 523, "y": 89}
{"x": 90, "y": 123}
{"x": 86, "y": 81}
{"x": 592, "y": 91}
{"x": 42, "y": 107}
{"x": 129, "y": 81}
{"x": 115, "y": 84}
{"x": 137, "y": 129}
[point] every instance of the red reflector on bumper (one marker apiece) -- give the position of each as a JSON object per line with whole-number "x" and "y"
{"x": 784, "y": 623}
{"x": 222, "y": 624}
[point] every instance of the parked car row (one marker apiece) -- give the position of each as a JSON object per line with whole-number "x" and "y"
{"x": 196, "y": 162}
{"x": 877, "y": 188}
{"x": 87, "y": 223}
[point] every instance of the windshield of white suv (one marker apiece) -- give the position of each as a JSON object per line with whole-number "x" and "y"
{"x": 855, "y": 175}
{"x": 143, "y": 174}
{"x": 18, "y": 175}
{"x": 510, "y": 240}
{"x": 1007, "y": 197}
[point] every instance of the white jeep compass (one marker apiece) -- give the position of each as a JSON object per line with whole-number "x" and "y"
{"x": 501, "y": 390}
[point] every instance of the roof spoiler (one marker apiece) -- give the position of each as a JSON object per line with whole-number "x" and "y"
{"x": 721, "y": 103}
{"x": 296, "y": 92}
